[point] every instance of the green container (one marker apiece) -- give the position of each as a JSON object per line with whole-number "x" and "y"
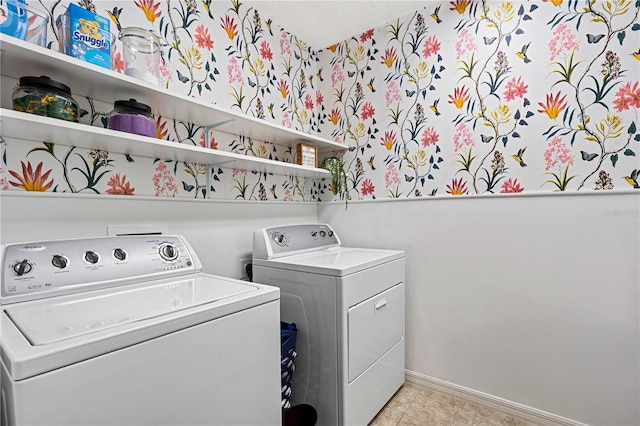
{"x": 44, "y": 96}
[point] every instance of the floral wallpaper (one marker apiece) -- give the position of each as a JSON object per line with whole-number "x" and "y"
{"x": 460, "y": 97}
{"x": 219, "y": 51}
{"x": 475, "y": 97}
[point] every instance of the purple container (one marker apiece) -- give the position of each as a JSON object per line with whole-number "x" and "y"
{"x": 132, "y": 117}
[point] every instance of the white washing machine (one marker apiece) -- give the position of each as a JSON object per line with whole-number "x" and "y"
{"x": 129, "y": 331}
{"x": 348, "y": 305}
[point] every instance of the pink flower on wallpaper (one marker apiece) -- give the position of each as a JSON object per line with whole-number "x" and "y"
{"x": 510, "y": 186}
{"x": 285, "y": 45}
{"x": 164, "y": 182}
{"x": 287, "y": 195}
{"x": 459, "y": 97}
{"x": 234, "y": 72}
{"x": 165, "y": 70}
{"x": 319, "y": 98}
{"x": 557, "y": 154}
{"x": 337, "y": 75}
{"x": 286, "y": 120}
{"x": 431, "y": 47}
{"x": 367, "y": 187}
{"x": 238, "y": 172}
{"x": 203, "y": 142}
{"x": 308, "y": 102}
{"x": 430, "y": 137}
{"x": 563, "y": 40}
{"x": 117, "y": 62}
{"x": 627, "y": 96}
{"x": 463, "y": 137}
{"x": 368, "y": 111}
{"x": 119, "y": 185}
{"x": 203, "y": 38}
{"x": 391, "y": 177}
{"x": 265, "y": 51}
{"x": 392, "y": 95}
{"x": 515, "y": 89}
{"x": 465, "y": 43}
{"x": 334, "y": 115}
{"x": 4, "y": 183}
{"x": 366, "y": 35}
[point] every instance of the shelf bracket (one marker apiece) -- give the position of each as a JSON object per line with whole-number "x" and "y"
{"x": 212, "y": 126}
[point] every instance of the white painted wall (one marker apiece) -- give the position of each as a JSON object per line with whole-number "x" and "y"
{"x": 534, "y": 299}
{"x": 221, "y": 232}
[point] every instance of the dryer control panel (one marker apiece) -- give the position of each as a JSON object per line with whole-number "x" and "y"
{"x": 269, "y": 243}
{"x": 46, "y": 268}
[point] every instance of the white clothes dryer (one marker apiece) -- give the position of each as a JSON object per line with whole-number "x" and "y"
{"x": 348, "y": 304}
{"x": 129, "y": 331}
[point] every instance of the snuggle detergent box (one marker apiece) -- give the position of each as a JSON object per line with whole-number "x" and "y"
{"x": 85, "y": 35}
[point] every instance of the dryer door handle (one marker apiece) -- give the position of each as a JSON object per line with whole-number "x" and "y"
{"x": 380, "y": 305}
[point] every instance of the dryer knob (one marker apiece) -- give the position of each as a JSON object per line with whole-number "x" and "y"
{"x": 59, "y": 261}
{"x": 23, "y": 267}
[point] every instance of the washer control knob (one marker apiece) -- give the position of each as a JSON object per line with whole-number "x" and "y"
{"x": 314, "y": 233}
{"x": 168, "y": 252}
{"x": 119, "y": 254}
{"x": 59, "y": 261}
{"x": 91, "y": 257}
{"x": 323, "y": 233}
{"x": 22, "y": 267}
{"x": 330, "y": 233}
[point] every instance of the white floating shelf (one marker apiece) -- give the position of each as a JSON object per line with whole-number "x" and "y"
{"x": 21, "y": 125}
{"x": 20, "y": 58}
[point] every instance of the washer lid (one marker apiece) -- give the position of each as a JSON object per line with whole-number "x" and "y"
{"x": 336, "y": 261}
{"x": 67, "y": 317}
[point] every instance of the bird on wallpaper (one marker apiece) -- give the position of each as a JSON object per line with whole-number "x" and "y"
{"x": 633, "y": 179}
{"x": 270, "y": 110}
{"x": 115, "y": 17}
{"x": 434, "y": 107}
{"x": 370, "y": 85}
{"x": 519, "y": 157}
{"x": 268, "y": 24}
{"x": 319, "y": 75}
{"x": 207, "y": 7}
{"x": 522, "y": 54}
{"x": 273, "y": 191}
{"x": 370, "y": 162}
{"x": 636, "y": 55}
{"x": 435, "y": 16}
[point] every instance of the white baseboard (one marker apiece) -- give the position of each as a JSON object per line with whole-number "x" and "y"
{"x": 511, "y": 408}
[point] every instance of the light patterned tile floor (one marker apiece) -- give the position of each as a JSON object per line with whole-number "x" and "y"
{"x": 414, "y": 405}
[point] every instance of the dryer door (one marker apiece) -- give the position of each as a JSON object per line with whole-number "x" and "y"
{"x": 375, "y": 326}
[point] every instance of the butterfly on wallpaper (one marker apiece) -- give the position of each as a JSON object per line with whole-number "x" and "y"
{"x": 182, "y": 78}
{"x": 408, "y": 178}
{"x": 587, "y": 157}
{"x": 434, "y": 107}
{"x": 519, "y": 157}
{"x": 351, "y": 73}
{"x": 489, "y": 40}
{"x": 486, "y": 139}
{"x": 594, "y": 38}
{"x": 522, "y": 54}
{"x": 370, "y": 162}
{"x": 410, "y": 93}
{"x": 251, "y": 83}
{"x": 435, "y": 16}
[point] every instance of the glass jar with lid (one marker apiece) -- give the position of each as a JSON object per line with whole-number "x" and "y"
{"x": 141, "y": 54}
{"x": 132, "y": 117}
{"x": 44, "y": 96}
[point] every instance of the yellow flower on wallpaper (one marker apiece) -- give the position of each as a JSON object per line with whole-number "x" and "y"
{"x": 150, "y": 9}
{"x": 554, "y": 105}
{"x": 229, "y": 25}
{"x": 611, "y": 126}
{"x": 258, "y": 67}
{"x": 390, "y": 56}
{"x": 360, "y": 130}
{"x": 422, "y": 70}
{"x": 502, "y": 114}
{"x": 555, "y": 2}
{"x": 460, "y": 6}
{"x": 359, "y": 54}
{"x": 194, "y": 58}
{"x": 389, "y": 140}
{"x": 32, "y": 180}
{"x": 419, "y": 159}
{"x": 505, "y": 12}
{"x": 334, "y": 116}
{"x": 459, "y": 97}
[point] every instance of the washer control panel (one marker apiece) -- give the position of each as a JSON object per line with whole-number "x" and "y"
{"x": 45, "y": 268}
{"x": 292, "y": 239}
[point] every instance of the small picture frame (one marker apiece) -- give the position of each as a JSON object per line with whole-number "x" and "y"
{"x": 307, "y": 155}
